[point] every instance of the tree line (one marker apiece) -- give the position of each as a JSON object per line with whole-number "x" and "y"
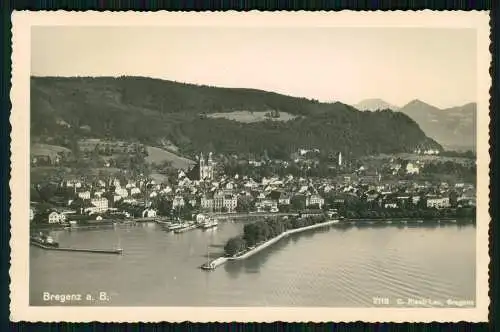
{"x": 425, "y": 214}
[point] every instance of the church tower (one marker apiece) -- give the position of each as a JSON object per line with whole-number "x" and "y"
{"x": 202, "y": 166}
{"x": 210, "y": 166}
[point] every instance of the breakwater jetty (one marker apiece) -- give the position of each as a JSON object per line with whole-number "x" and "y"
{"x": 117, "y": 251}
{"x": 222, "y": 260}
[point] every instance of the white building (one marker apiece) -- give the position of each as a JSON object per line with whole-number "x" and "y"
{"x": 134, "y": 191}
{"x": 251, "y": 184}
{"x": 315, "y": 199}
{"x": 390, "y": 205}
{"x": 121, "y": 192}
{"x": 130, "y": 185}
{"x": 84, "y": 194}
{"x": 230, "y": 202}
{"x": 438, "y": 202}
{"x": 207, "y": 203}
{"x": 149, "y": 213}
{"x": 218, "y": 201}
{"x": 98, "y": 205}
{"x": 56, "y": 218}
{"x": 178, "y": 202}
{"x": 73, "y": 184}
{"x": 266, "y": 204}
{"x": 284, "y": 199}
{"x": 412, "y": 169}
{"x": 431, "y": 152}
{"x": 98, "y": 193}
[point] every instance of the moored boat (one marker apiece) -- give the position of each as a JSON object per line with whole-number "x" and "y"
{"x": 44, "y": 240}
{"x": 211, "y": 223}
{"x": 187, "y": 227}
{"x": 176, "y": 226}
{"x": 208, "y": 266}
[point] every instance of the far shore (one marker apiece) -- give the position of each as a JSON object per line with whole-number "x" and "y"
{"x": 413, "y": 219}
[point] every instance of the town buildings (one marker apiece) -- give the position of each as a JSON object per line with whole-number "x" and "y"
{"x": 211, "y": 191}
{"x": 97, "y": 205}
{"x": 315, "y": 200}
{"x": 438, "y": 202}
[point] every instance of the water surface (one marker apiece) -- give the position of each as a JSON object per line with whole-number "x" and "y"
{"x": 335, "y": 267}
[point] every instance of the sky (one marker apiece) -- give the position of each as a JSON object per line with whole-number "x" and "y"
{"x": 435, "y": 65}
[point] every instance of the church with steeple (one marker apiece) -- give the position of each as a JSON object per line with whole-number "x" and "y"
{"x": 206, "y": 169}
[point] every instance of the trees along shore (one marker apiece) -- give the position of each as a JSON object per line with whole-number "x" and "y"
{"x": 264, "y": 230}
{"x": 396, "y": 213}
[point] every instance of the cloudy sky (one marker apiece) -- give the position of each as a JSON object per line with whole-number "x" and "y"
{"x": 398, "y": 65}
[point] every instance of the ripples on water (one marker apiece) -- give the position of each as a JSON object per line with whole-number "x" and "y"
{"x": 344, "y": 267}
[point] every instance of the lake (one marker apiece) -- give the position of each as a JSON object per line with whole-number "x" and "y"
{"x": 416, "y": 266}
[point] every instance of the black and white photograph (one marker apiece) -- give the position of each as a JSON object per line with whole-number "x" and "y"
{"x": 326, "y": 166}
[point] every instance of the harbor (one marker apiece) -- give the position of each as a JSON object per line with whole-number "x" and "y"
{"x": 178, "y": 226}
{"x": 209, "y": 222}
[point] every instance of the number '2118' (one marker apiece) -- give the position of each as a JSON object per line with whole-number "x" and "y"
{"x": 380, "y": 300}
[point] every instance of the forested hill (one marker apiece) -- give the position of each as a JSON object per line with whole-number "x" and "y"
{"x": 153, "y": 110}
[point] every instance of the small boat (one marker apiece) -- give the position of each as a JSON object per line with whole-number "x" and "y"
{"x": 211, "y": 223}
{"x": 185, "y": 228}
{"x": 166, "y": 224}
{"x": 174, "y": 227}
{"x": 208, "y": 266}
{"x": 118, "y": 250}
{"x": 44, "y": 240}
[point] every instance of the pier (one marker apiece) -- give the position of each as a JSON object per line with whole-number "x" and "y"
{"x": 117, "y": 251}
{"x": 222, "y": 260}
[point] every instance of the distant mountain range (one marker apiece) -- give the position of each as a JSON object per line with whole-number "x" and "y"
{"x": 375, "y": 104}
{"x": 454, "y": 128}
